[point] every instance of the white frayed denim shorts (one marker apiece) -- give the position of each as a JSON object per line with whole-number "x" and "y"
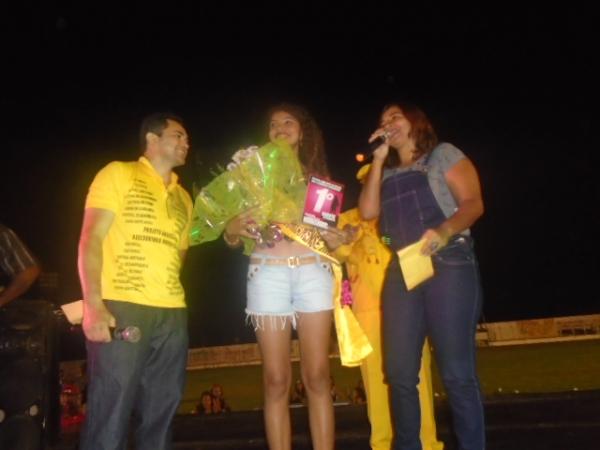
{"x": 280, "y": 292}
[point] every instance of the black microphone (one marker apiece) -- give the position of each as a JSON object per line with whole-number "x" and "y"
{"x": 128, "y": 334}
{"x": 374, "y": 145}
{"x": 377, "y": 142}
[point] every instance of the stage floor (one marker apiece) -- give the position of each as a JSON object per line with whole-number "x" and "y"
{"x": 557, "y": 421}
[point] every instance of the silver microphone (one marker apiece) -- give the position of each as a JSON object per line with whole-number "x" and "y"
{"x": 128, "y": 334}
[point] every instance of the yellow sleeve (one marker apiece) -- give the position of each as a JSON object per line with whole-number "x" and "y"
{"x": 106, "y": 191}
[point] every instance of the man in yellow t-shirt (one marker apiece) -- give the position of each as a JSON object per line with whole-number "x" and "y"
{"x": 132, "y": 245}
{"x": 366, "y": 259}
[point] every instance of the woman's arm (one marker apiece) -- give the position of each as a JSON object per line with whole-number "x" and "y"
{"x": 369, "y": 201}
{"x": 463, "y": 182}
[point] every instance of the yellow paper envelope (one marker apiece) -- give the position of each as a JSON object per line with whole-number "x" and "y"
{"x": 415, "y": 267}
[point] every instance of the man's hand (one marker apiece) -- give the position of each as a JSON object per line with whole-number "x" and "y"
{"x": 97, "y": 321}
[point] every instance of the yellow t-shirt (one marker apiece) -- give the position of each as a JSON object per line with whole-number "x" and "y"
{"x": 366, "y": 261}
{"x": 141, "y": 259}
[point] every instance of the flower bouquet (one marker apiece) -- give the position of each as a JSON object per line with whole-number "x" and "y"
{"x": 269, "y": 177}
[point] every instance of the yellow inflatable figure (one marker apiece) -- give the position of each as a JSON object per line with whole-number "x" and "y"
{"x": 366, "y": 259}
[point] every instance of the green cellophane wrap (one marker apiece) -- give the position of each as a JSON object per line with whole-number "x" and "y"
{"x": 270, "y": 178}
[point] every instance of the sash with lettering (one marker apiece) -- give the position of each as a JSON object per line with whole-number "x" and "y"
{"x": 352, "y": 341}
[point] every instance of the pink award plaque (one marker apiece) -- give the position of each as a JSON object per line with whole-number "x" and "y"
{"x": 323, "y": 202}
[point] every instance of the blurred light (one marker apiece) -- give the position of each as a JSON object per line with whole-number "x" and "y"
{"x": 34, "y": 410}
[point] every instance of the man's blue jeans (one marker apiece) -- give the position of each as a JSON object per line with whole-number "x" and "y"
{"x": 143, "y": 379}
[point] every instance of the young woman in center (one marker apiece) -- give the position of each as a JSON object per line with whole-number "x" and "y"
{"x": 290, "y": 285}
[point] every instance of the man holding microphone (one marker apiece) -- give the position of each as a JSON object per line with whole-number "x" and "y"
{"x": 132, "y": 246}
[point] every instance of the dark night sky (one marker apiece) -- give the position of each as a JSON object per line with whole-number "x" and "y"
{"x": 513, "y": 89}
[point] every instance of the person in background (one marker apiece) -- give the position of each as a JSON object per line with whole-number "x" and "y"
{"x": 333, "y": 391}
{"x": 205, "y": 407}
{"x": 359, "y": 396}
{"x": 219, "y": 405}
{"x": 298, "y": 393}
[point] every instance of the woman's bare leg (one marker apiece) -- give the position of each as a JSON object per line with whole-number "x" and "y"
{"x": 274, "y": 344}
{"x": 314, "y": 332}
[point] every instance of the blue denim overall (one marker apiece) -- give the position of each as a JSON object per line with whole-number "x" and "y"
{"x": 446, "y": 308}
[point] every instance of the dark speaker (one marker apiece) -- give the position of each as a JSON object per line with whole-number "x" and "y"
{"x": 29, "y": 391}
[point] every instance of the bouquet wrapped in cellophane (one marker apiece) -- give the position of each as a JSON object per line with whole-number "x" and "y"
{"x": 269, "y": 177}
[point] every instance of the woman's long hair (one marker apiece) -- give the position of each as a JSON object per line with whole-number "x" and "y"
{"x": 311, "y": 148}
{"x": 421, "y": 131}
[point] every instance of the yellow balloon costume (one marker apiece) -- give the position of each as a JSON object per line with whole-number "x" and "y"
{"x": 366, "y": 259}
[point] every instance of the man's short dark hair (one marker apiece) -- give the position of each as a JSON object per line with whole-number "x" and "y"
{"x": 156, "y": 123}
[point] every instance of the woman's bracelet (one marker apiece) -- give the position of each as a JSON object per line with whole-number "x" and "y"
{"x": 232, "y": 243}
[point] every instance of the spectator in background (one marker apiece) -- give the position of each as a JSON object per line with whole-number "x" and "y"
{"x": 298, "y": 393}
{"x": 333, "y": 390}
{"x": 81, "y": 382}
{"x": 205, "y": 407}
{"x": 219, "y": 405}
{"x": 359, "y": 397}
{"x": 71, "y": 413}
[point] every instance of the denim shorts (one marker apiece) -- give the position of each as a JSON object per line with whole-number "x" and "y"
{"x": 280, "y": 292}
